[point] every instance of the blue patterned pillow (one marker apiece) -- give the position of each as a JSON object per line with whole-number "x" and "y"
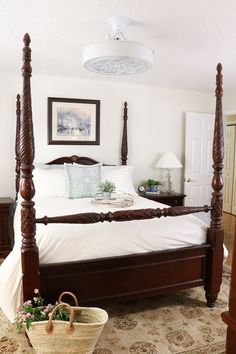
{"x": 82, "y": 180}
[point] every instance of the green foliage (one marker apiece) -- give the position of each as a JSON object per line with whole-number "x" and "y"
{"x": 107, "y": 186}
{"x": 152, "y": 182}
{"x": 35, "y": 310}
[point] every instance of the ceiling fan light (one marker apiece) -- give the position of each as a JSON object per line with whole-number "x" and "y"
{"x": 117, "y": 56}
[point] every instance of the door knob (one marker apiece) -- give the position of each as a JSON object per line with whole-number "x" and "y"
{"x": 188, "y": 179}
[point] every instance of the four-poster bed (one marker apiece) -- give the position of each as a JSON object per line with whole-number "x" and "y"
{"x": 124, "y": 276}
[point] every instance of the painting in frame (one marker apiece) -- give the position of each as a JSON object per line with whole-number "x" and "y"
{"x": 73, "y": 121}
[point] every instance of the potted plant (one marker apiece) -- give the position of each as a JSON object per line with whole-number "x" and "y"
{"x": 49, "y": 327}
{"x": 153, "y": 185}
{"x": 107, "y": 187}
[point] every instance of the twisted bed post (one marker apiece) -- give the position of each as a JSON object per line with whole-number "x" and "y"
{"x": 124, "y": 145}
{"x": 17, "y": 144}
{"x": 215, "y": 235}
{"x": 29, "y": 250}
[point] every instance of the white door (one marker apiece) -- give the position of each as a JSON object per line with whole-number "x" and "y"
{"x": 198, "y": 158}
{"x": 229, "y": 169}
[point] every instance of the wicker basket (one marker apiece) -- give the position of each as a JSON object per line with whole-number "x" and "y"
{"x": 56, "y": 337}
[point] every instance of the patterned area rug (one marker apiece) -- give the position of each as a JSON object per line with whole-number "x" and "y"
{"x": 179, "y": 323}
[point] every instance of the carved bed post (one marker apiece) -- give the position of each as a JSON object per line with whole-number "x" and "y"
{"x": 17, "y": 144}
{"x": 124, "y": 146}
{"x": 29, "y": 250}
{"x": 215, "y": 235}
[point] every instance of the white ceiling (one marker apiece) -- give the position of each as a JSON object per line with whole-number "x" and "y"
{"x": 189, "y": 37}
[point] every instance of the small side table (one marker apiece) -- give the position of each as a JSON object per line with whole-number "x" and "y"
{"x": 6, "y": 227}
{"x": 176, "y": 199}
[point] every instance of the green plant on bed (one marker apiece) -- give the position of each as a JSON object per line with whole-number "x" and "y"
{"x": 107, "y": 187}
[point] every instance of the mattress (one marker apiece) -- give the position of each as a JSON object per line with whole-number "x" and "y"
{"x": 67, "y": 242}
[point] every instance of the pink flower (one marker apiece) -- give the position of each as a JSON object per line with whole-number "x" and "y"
{"x": 36, "y": 291}
{"x": 28, "y": 303}
{"x": 28, "y": 314}
{"x": 48, "y": 308}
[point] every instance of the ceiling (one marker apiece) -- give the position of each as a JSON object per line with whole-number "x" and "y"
{"x": 188, "y": 37}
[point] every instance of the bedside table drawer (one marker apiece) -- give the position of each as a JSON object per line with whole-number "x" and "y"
{"x": 175, "y": 202}
{"x": 6, "y": 229}
{"x": 171, "y": 201}
{"x": 165, "y": 198}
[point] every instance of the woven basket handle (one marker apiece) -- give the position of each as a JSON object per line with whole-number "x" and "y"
{"x": 49, "y": 325}
{"x": 71, "y": 294}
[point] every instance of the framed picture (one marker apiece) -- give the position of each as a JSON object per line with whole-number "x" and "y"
{"x": 73, "y": 121}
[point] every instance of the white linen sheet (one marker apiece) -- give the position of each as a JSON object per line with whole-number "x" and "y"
{"x": 66, "y": 242}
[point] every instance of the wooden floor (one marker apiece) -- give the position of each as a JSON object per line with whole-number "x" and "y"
{"x": 228, "y": 226}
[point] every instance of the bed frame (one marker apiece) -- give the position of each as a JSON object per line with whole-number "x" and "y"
{"x": 123, "y": 277}
{"x": 229, "y": 317}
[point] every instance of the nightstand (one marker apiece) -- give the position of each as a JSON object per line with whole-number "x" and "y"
{"x": 176, "y": 199}
{"x": 6, "y": 229}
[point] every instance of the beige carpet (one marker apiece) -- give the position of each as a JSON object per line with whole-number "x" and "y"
{"x": 179, "y": 323}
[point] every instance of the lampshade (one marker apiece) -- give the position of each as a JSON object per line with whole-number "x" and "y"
{"x": 117, "y": 55}
{"x": 168, "y": 160}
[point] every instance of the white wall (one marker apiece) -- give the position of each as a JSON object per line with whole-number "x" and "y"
{"x": 155, "y": 125}
{"x": 229, "y": 105}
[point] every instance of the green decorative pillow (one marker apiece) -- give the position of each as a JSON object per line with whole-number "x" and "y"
{"x": 82, "y": 180}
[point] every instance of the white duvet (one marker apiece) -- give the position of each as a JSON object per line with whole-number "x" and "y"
{"x": 65, "y": 242}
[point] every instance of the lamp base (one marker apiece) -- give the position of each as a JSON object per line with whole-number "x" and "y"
{"x": 170, "y": 188}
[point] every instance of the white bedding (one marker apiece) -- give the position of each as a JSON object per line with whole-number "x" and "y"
{"x": 65, "y": 242}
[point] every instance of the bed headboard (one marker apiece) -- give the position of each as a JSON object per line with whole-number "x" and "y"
{"x": 82, "y": 160}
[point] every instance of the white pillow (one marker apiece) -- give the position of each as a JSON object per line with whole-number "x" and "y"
{"x": 49, "y": 181}
{"x": 121, "y": 176}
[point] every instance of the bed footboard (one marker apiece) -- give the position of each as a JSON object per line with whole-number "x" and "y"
{"x": 136, "y": 276}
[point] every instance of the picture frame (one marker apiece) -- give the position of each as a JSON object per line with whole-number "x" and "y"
{"x": 73, "y": 121}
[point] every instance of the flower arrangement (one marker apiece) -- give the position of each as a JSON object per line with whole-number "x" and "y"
{"x": 107, "y": 187}
{"x": 35, "y": 310}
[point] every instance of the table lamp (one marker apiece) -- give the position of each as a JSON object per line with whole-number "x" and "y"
{"x": 168, "y": 161}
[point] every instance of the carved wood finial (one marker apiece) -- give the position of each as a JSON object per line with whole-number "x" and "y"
{"x": 27, "y": 39}
{"x": 219, "y": 81}
{"x": 26, "y": 68}
{"x": 124, "y": 146}
{"x": 219, "y": 67}
{"x": 17, "y": 144}
{"x": 218, "y": 155}
{"x": 29, "y": 250}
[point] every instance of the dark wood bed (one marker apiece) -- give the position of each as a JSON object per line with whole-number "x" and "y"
{"x": 229, "y": 317}
{"x": 123, "y": 277}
